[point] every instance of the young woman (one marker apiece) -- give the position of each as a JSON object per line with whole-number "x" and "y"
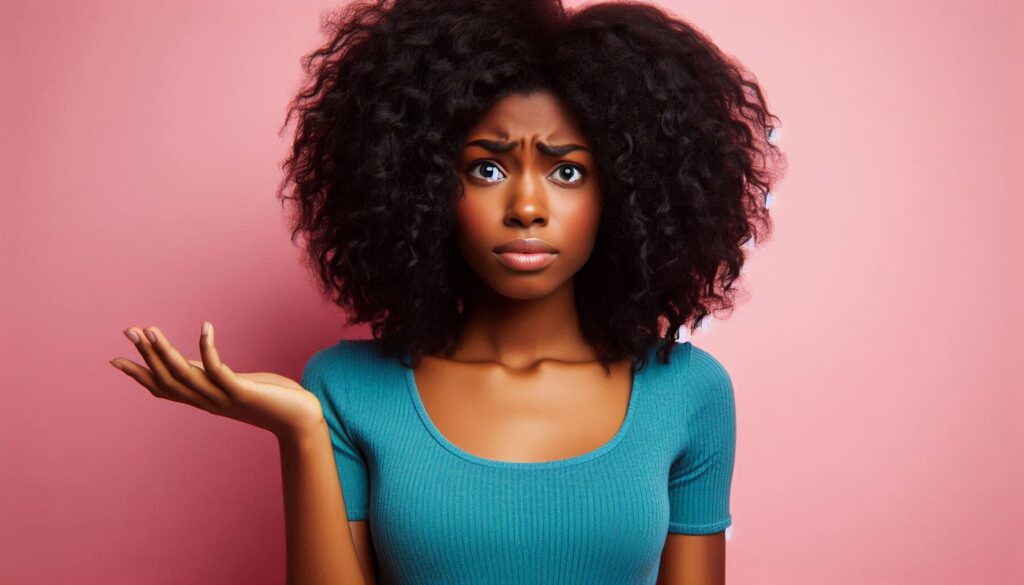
{"x": 527, "y": 203}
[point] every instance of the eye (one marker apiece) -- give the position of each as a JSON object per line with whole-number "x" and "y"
{"x": 489, "y": 169}
{"x": 565, "y": 173}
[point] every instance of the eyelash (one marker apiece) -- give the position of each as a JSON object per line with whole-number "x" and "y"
{"x": 579, "y": 169}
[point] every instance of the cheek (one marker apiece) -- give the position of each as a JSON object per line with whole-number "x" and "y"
{"x": 580, "y": 222}
{"x": 472, "y": 219}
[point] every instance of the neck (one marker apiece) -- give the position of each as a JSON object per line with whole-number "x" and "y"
{"x": 523, "y": 331}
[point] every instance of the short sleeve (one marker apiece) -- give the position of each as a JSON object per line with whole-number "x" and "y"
{"x": 700, "y": 478}
{"x": 324, "y": 376}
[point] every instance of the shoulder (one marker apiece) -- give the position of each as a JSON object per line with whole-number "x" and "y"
{"x": 701, "y": 382}
{"x": 691, "y": 363}
{"x": 332, "y": 369}
{"x": 705, "y": 369}
{"x": 332, "y": 357}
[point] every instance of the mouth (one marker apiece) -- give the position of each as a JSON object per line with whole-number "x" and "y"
{"x": 526, "y": 254}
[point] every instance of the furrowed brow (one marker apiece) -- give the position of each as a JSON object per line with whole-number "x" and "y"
{"x": 559, "y": 149}
{"x": 549, "y": 149}
{"x": 491, "y": 145}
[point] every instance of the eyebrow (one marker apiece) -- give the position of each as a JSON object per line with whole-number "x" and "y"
{"x": 549, "y": 149}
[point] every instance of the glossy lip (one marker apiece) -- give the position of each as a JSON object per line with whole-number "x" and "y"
{"x": 526, "y": 246}
{"x": 526, "y": 262}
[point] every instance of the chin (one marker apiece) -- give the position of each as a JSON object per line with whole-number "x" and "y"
{"x": 526, "y": 286}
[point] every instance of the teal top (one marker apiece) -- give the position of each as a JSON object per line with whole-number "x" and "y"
{"x": 439, "y": 514}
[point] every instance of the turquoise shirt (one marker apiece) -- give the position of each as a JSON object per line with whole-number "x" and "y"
{"x": 438, "y": 514}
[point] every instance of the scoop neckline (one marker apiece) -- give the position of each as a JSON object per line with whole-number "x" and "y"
{"x": 636, "y": 390}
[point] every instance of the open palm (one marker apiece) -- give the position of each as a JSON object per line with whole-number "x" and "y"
{"x": 263, "y": 399}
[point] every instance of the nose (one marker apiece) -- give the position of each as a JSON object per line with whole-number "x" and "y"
{"x": 527, "y": 206}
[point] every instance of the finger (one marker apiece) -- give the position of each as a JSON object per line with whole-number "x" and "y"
{"x": 144, "y": 377}
{"x": 190, "y": 377}
{"x": 136, "y": 336}
{"x": 162, "y": 377}
{"x": 233, "y": 385}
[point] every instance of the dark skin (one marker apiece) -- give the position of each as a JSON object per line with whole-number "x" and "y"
{"x": 522, "y": 363}
{"x": 522, "y": 357}
{"x": 522, "y": 368}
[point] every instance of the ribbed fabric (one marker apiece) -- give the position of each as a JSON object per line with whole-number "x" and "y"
{"x": 438, "y": 514}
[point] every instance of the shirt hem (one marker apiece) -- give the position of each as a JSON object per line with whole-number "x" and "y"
{"x": 681, "y": 528}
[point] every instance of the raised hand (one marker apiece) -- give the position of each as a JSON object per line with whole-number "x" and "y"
{"x": 263, "y": 399}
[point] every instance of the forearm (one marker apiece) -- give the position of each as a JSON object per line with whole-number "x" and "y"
{"x": 320, "y": 549}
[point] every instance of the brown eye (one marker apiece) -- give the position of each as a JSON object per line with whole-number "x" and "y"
{"x": 489, "y": 171}
{"x": 571, "y": 174}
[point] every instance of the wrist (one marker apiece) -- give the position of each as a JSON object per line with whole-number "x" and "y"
{"x": 305, "y": 436}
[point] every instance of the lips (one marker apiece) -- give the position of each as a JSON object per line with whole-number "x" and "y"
{"x": 526, "y": 246}
{"x": 526, "y": 255}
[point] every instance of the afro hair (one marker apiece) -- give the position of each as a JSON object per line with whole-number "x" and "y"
{"x": 680, "y": 134}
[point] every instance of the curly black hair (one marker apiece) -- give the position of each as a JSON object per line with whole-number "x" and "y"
{"x": 680, "y": 136}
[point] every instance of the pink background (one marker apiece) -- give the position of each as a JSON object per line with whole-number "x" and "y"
{"x": 877, "y": 358}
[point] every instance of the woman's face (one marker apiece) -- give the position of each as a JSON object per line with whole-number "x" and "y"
{"x": 528, "y": 174}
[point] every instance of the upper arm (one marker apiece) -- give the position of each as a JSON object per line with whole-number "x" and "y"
{"x": 700, "y": 478}
{"x": 325, "y": 376}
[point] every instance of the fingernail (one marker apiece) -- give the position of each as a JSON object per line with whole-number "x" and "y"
{"x": 116, "y": 365}
{"x": 206, "y": 328}
{"x": 150, "y": 335}
{"x": 131, "y": 335}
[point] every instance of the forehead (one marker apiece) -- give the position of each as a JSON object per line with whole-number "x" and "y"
{"x": 538, "y": 114}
